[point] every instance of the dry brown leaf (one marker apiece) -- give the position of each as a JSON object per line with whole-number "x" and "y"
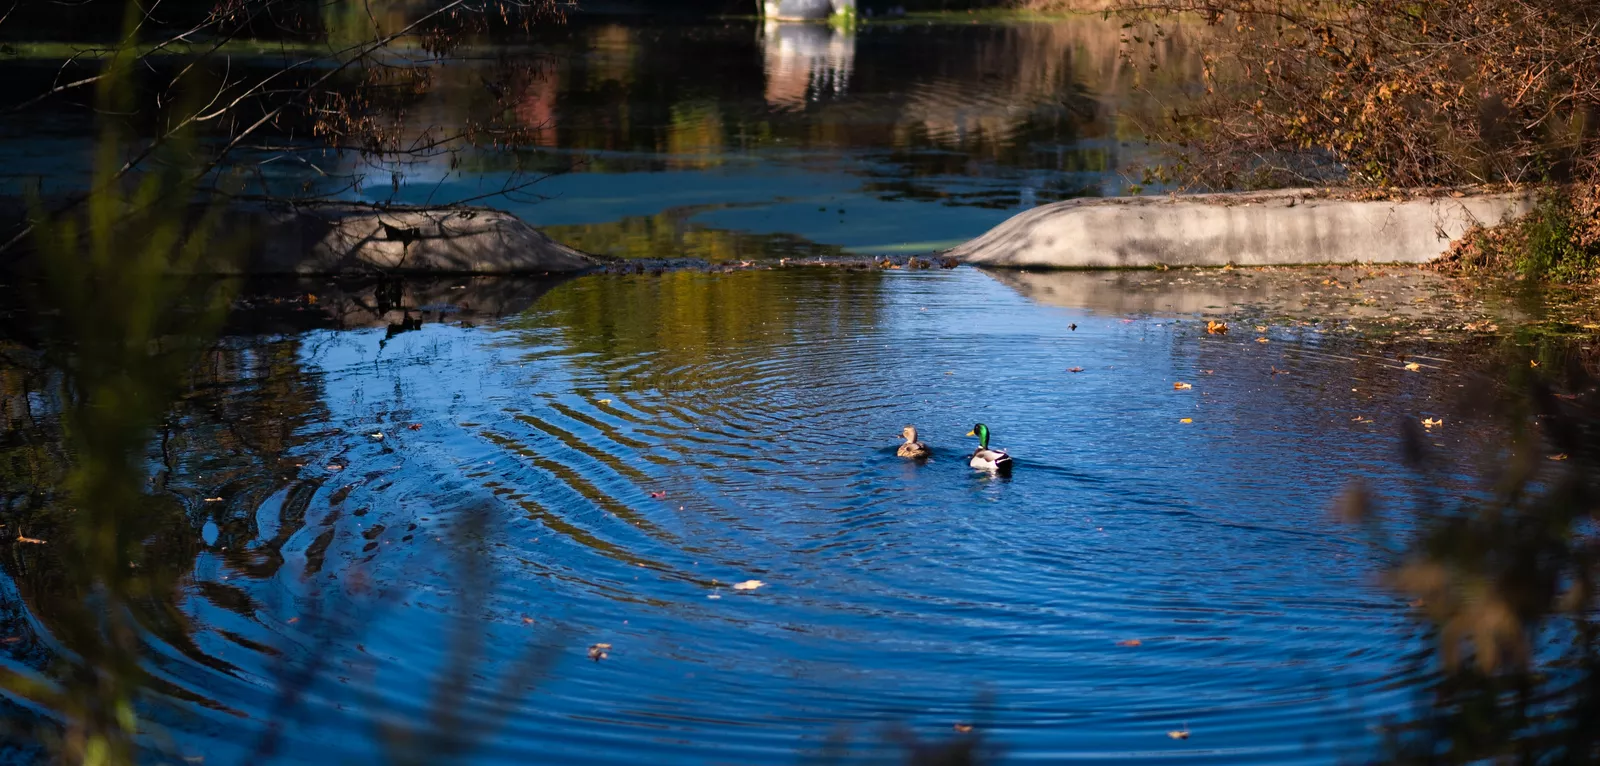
{"x": 1559, "y": 456}
{"x": 213, "y": 499}
{"x": 1217, "y": 328}
{"x": 1074, "y": 369}
{"x": 1181, "y": 386}
{"x": 1130, "y": 642}
{"x": 415, "y": 426}
{"x": 1180, "y": 734}
{"x": 748, "y": 585}
{"x": 964, "y": 728}
{"x": 605, "y": 401}
{"x": 33, "y": 540}
{"x": 1431, "y": 422}
{"x": 598, "y": 652}
{"x": 1261, "y": 340}
{"x": 1413, "y": 366}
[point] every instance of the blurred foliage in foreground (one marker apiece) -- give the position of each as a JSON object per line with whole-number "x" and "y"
{"x": 1504, "y": 584}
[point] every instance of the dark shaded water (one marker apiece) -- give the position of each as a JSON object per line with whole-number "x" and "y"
{"x": 725, "y": 140}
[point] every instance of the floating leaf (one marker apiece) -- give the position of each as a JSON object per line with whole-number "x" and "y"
{"x": 1074, "y": 369}
{"x": 1187, "y": 420}
{"x": 1130, "y": 642}
{"x": 659, "y": 495}
{"x": 964, "y": 728}
{"x": 1180, "y": 734}
{"x": 1431, "y": 422}
{"x": 598, "y": 652}
{"x": 1559, "y": 456}
{"x": 213, "y": 499}
{"x": 376, "y": 435}
{"x": 32, "y": 540}
{"x": 1216, "y": 328}
{"x": 605, "y": 401}
{"x": 415, "y": 426}
{"x": 1261, "y": 340}
{"x": 1413, "y": 366}
{"x": 748, "y": 585}
{"x": 1181, "y": 386}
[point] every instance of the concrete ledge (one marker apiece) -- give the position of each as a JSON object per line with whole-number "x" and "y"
{"x": 348, "y": 239}
{"x": 1292, "y": 227}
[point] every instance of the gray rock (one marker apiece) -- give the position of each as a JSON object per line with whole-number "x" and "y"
{"x": 1290, "y": 227}
{"x": 347, "y": 239}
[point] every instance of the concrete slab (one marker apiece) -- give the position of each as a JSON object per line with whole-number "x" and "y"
{"x": 1291, "y": 227}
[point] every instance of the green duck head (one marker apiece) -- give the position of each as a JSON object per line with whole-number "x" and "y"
{"x": 982, "y": 432}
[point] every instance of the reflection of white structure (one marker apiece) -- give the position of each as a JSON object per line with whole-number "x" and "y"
{"x": 805, "y": 62}
{"x": 806, "y": 10}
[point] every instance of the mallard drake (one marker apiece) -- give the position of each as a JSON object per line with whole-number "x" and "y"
{"x": 983, "y": 458}
{"x": 912, "y": 448}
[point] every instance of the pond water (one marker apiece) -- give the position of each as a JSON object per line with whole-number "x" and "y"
{"x": 723, "y": 141}
{"x": 637, "y": 444}
{"x": 1161, "y": 560}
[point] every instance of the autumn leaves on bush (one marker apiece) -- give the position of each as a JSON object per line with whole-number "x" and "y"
{"x": 1398, "y": 94}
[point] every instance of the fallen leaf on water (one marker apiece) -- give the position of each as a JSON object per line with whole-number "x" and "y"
{"x": 605, "y": 401}
{"x": 33, "y": 540}
{"x": 1130, "y": 642}
{"x": 527, "y": 621}
{"x": 1181, "y": 386}
{"x": 1559, "y": 456}
{"x": 1187, "y": 420}
{"x": 1261, "y": 340}
{"x": 748, "y": 585}
{"x": 213, "y": 499}
{"x": 659, "y": 495}
{"x": 963, "y": 727}
{"x": 1431, "y": 422}
{"x": 292, "y": 620}
{"x": 1075, "y": 326}
{"x": 335, "y": 467}
{"x": 1074, "y": 369}
{"x": 598, "y": 652}
{"x": 1533, "y": 363}
{"x": 1413, "y": 366}
{"x": 1216, "y": 328}
{"x": 415, "y": 426}
{"x": 1181, "y": 734}
{"x": 1261, "y": 328}
{"x": 376, "y": 435}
